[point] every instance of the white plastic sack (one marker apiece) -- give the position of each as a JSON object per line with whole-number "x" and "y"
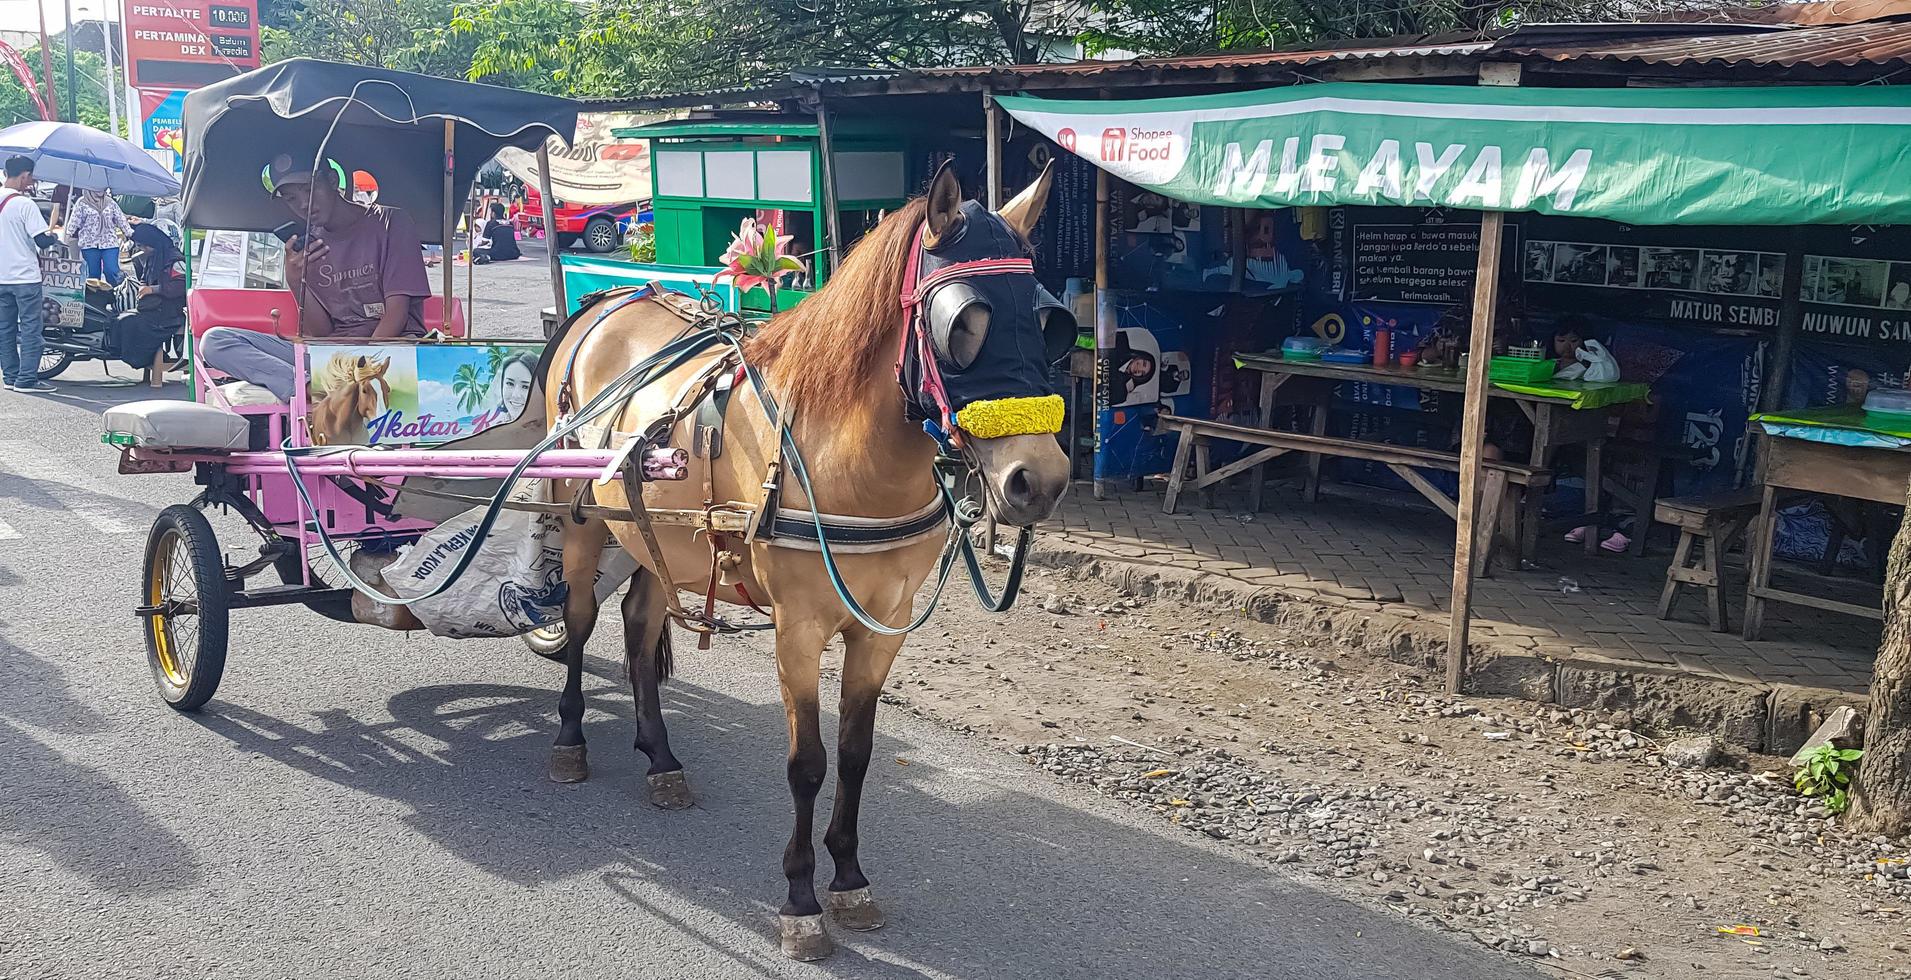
{"x": 514, "y": 585}
{"x": 370, "y": 566}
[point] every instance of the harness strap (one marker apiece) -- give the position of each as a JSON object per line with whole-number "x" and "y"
{"x": 564, "y": 389}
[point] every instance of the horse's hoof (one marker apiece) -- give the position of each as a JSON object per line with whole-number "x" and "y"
{"x": 804, "y": 938}
{"x": 855, "y": 910}
{"x": 670, "y": 790}
{"x": 568, "y": 765}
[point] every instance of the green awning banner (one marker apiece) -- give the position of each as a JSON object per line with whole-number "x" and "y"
{"x": 1715, "y": 156}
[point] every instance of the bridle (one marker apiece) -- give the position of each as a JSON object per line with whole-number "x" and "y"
{"x": 917, "y": 333}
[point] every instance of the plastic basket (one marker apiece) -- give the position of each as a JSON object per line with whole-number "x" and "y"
{"x": 1521, "y": 370}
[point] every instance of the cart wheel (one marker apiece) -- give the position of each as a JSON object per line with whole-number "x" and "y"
{"x": 547, "y": 641}
{"x": 52, "y": 362}
{"x": 186, "y": 604}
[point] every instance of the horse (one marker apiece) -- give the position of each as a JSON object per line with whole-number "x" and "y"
{"x": 357, "y": 393}
{"x": 854, "y": 408}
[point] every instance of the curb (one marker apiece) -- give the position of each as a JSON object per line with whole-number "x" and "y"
{"x": 1768, "y": 718}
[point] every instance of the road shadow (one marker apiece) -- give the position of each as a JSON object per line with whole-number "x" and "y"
{"x": 85, "y": 823}
{"x": 40, "y": 694}
{"x": 980, "y": 878}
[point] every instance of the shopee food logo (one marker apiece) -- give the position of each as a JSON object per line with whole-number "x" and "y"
{"x": 1066, "y": 138}
{"x": 1145, "y": 154}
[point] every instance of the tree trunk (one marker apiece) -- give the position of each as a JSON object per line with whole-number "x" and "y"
{"x": 1881, "y": 803}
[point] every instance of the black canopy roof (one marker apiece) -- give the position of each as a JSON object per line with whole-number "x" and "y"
{"x": 388, "y": 123}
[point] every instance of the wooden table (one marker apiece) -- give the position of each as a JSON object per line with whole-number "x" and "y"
{"x": 1557, "y": 421}
{"x": 1805, "y": 450}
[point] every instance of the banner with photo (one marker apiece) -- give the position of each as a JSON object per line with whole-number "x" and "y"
{"x": 401, "y": 393}
{"x": 1856, "y": 285}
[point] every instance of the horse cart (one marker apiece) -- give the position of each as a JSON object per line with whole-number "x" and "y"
{"x": 819, "y": 468}
{"x": 453, "y": 411}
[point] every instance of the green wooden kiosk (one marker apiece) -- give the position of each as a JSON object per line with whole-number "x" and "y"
{"x": 823, "y": 185}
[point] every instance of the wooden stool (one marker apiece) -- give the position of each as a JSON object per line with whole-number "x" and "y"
{"x": 1711, "y": 522}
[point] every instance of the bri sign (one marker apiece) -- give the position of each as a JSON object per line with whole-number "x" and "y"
{"x": 1748, "y": 156}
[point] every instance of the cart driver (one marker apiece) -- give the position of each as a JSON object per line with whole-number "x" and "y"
{"x": 358, "y": 271}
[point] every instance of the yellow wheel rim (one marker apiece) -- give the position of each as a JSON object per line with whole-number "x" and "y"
{"x": 170, "y": 582}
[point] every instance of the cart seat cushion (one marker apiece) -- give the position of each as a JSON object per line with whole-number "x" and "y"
{"x": 177, "y": 425}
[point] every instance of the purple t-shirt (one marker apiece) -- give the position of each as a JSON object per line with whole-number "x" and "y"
{"x": 378, "y": 257}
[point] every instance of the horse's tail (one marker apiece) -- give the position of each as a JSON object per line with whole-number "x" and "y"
{"x": 664, "y": 659}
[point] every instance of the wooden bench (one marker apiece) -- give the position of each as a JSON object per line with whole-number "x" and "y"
{"x": 1497, "y": 506}
{"x": 1710, "y": 522}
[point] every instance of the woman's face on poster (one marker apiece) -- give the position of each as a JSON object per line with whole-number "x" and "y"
{"x": 517, "y": 388}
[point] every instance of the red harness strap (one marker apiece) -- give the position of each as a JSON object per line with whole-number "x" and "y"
{"x": 916, "y": 288}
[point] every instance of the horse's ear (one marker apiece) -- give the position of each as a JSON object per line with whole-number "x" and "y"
{"x": 1026, "y": 209}
{"x": 945, "y": 207}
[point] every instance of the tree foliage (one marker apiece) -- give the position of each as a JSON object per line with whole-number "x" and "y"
{"x": 628, "y": 47}
{"x": 89, "y": 73}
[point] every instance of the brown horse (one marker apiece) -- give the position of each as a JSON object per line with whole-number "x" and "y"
{"x": 831, "y": 363}
{"x": 357, "y": 392}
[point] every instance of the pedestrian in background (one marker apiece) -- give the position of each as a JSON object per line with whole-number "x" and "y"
{"x": 97, "y": 226}
{"x": 22, "y": 235}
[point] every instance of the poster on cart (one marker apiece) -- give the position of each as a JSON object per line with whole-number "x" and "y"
{"x": 409, "y": 394}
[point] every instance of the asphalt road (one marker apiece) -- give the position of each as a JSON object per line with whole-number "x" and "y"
{"x": 358, "y": 803}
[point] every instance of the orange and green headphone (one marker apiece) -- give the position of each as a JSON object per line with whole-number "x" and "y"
{"x": 344, "y": 183}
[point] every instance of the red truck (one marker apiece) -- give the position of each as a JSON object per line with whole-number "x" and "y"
{"x": 600, "y": 227}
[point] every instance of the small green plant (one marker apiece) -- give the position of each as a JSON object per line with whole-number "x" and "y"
{"x": 643, "y": 245}
{"x": 1827, "y": 773}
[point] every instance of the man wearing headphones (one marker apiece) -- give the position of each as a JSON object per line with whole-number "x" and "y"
{"x": 357, "y": 271}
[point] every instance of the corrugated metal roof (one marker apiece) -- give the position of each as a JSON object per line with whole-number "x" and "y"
{"x": 1849, "y": 45}
{"x": 854, "y": 82}
{"x": 1359, "y": 50}
{"x": 1830, "y": 46}
{"x": 1788, "y": 13}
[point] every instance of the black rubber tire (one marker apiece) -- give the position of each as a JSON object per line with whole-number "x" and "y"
{"x": 600, "y": 235}
{"x": 186, "y": 678}
{"x": 547, "y": 642}
{"x": 52, "y": 363}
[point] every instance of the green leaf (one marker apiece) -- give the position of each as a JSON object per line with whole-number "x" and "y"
{"x": 789, "y": 263}
{"x": 1851, "y": 755}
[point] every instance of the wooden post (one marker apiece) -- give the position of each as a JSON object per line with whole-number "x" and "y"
{"x": 993, "y": 127}
{"x": 1486, "y": 290}
{"x": 451, "y": 219}
{"x": 832, "y": 221}
{"x": 1237, "y": 231}
{"x": 1104, "y": 306}
{"x": 549, "y": 217}
{"x": 1791, "y": 317}
{"x": 470, "y": 263}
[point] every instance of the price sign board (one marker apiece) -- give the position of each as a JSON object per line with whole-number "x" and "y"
{"x": 184, "y": 44}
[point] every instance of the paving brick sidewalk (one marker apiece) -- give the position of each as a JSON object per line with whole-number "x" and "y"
{"x": 1375, "y": 551}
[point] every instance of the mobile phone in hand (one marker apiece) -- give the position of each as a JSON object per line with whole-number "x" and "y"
{"x": 292, "y": 233}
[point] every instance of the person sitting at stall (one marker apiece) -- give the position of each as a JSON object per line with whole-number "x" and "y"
{"x": 161, "y": 311}
{"x": 357, "y": 271}
{"x": 497, "y": 241}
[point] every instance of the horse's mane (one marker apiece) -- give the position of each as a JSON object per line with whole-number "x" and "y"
{"x": 821, "y": 353}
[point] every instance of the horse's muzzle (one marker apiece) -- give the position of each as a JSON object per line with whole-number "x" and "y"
{"x": 1027, "y": 476}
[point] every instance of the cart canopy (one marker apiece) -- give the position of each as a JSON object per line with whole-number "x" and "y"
{"x": 390, "y": 124}
{"x": 1741, "y": 156}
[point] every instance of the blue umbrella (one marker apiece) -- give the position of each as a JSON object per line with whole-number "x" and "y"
{"x": 87, "y": 158}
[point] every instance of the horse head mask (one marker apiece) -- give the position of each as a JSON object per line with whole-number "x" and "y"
{"x": 981, "y": 340}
